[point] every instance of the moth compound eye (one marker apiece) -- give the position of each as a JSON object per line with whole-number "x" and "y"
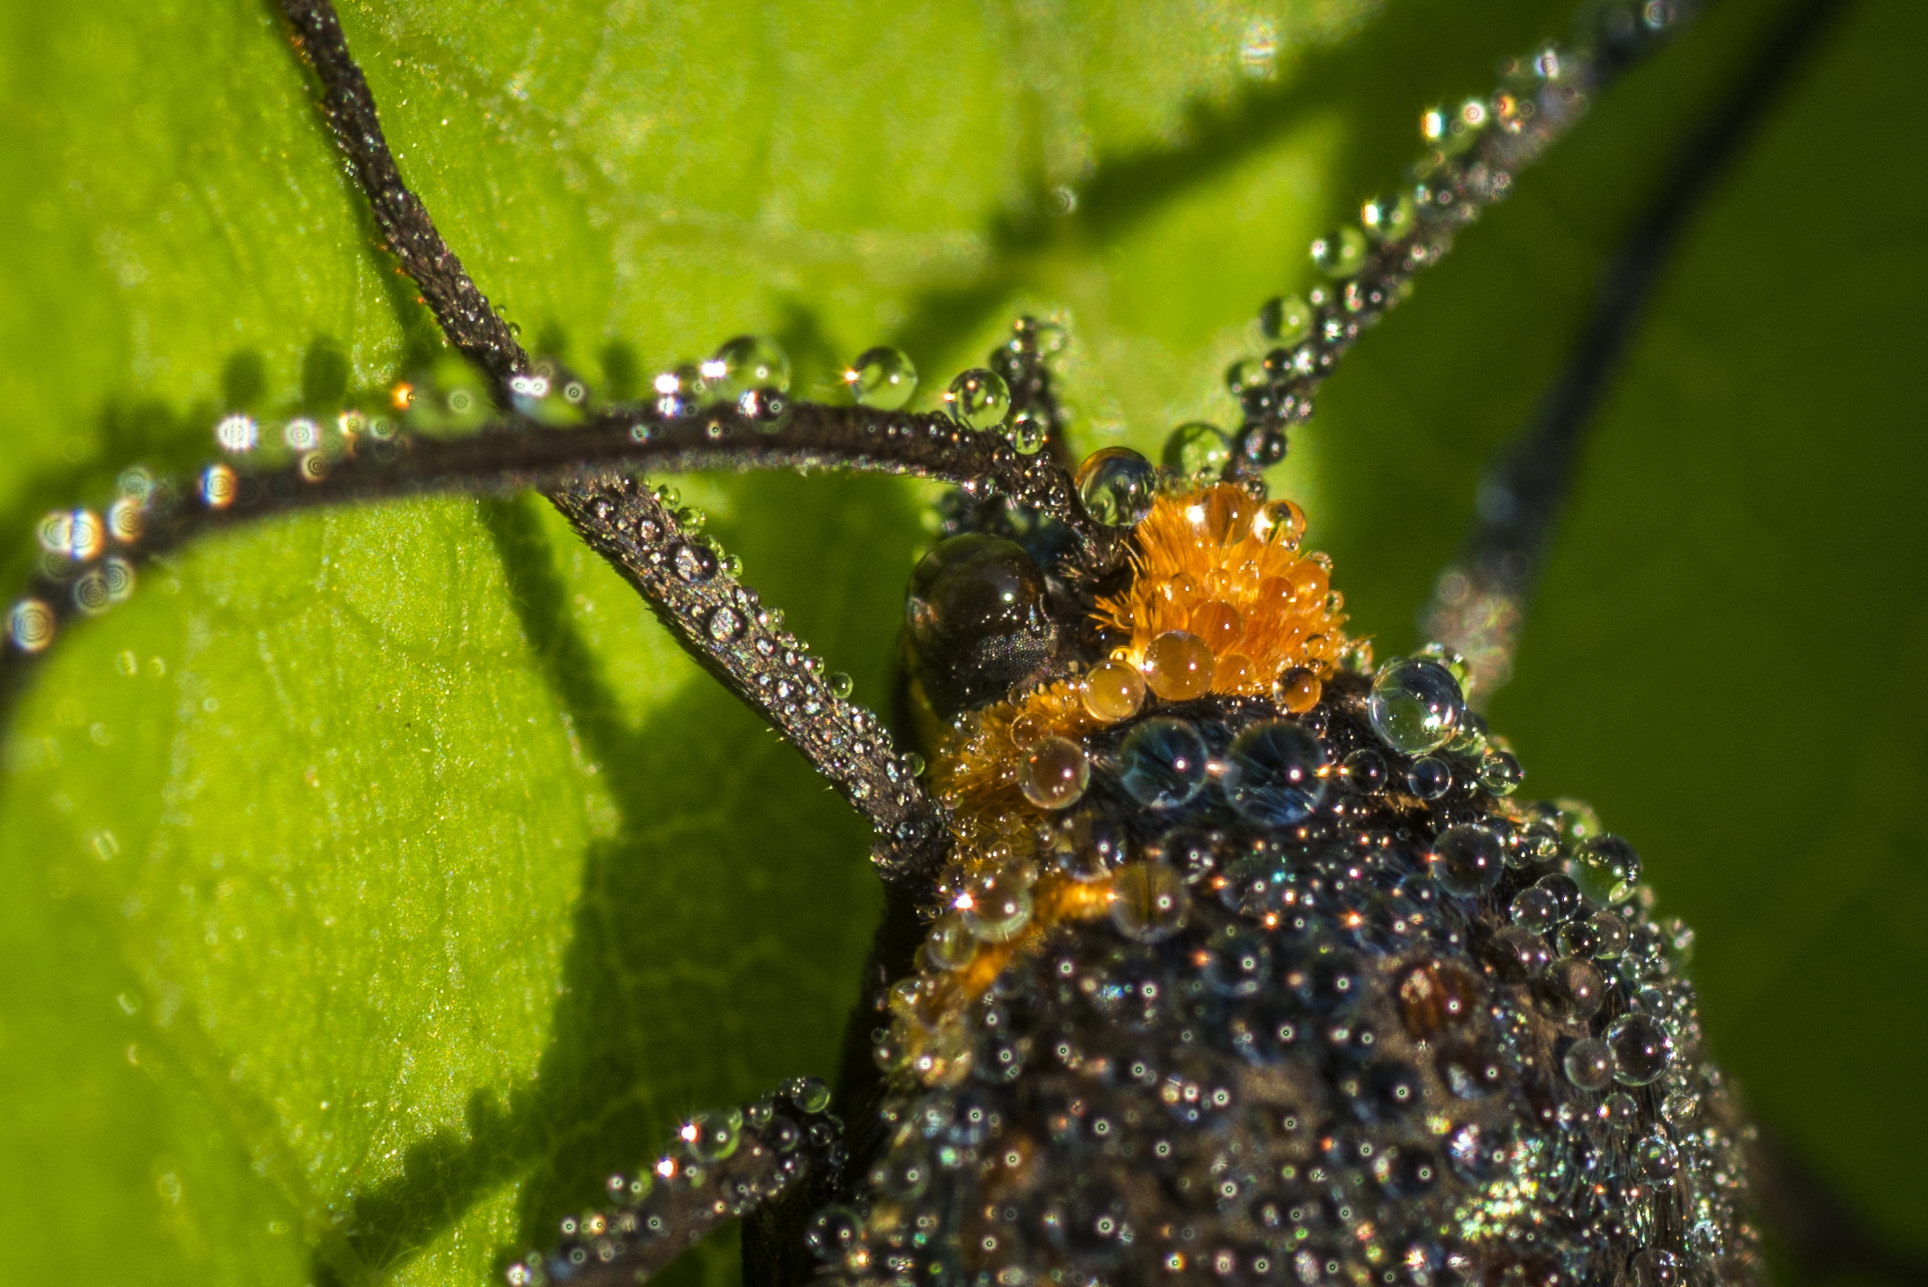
{"x": 978, "y": 622}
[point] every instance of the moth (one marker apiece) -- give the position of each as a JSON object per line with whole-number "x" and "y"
{"x": 477, "y": 1132}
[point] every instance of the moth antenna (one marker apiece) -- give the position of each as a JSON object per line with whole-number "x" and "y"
{"x": 1477, "y": 148}
{"x": 1480, "y": 599}
{"x": 716, "y": 620}
{"x": 465, "y": 315}
{"x": 90, "y": 559}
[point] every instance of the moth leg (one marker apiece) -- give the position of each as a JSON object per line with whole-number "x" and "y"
{"x": 681, "y": 577}
{"x": 1480, "y": 599}
{"x": 728, "y": 1164}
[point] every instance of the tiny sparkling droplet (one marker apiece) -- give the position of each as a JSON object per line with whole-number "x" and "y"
{"x": 1149, "y": 901}
{"x": 1415, "y": 706}
{"x": 237, "y": 434}
{"x": 1285, "y": 319}
{"x": 1429, "y": 778}
{"x": 1113, "y": 690}
{"x": 31, "y": 625}
{"x": 1197, "y": 451}
{"x": 1116, "y": 485}
{"x": 1606, "y": 868}
{"x": 1054, "y": 773}
{"x": 1162, "y": 763}
{"x": 1641, "y": 1049}
{"x": 1179, "y": 666}
{"x": 1388, "y": 218}
{"x": 1340, "y": 254}
{"x": 978, "y": 399}
{"x": 746, "y": 363}
{"x": 1272, "y": 773}
{"x": 881, "y": 377}
{"x": 1468, "y": 859}
{"x": 1588, "y": 1064}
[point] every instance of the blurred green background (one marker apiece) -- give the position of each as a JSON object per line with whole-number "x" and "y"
{"x": 377, "y": 882}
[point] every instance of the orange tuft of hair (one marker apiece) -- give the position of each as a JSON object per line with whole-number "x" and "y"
{"x": 1223, "y": 567}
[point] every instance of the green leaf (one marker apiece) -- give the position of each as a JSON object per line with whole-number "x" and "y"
{"x": 379, "y": 881}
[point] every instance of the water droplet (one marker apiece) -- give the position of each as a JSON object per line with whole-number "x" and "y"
{"x": 746, "y": 363}
{"x": 1198, "y": 451}
{"x": 1272, "y": 773}
{"x": 126, "y": 521}
{"x": 237, "y": 434}
{"x": 1113, "y": 690}
{"x": 1565, "y": 893}
{"x": 1054, "y": 773}
{"x": 1149, "y": 901}
{"x": 1247, "y": 375}
{"x": 1500, "y": 773}
{"x": 832, "y": 1233}
{"x": 1535, "y": 909}
{"x": 809, "y": 1094}
{"x": 1521, "y": 953}
{"x": 1468, "y": 860}
{"x": 90, "y": 592}
{"x": 999, "y": 907}
{"x": 219, "y": 486}
{"x": 767, "y": 408}
{"x": 1179, "y": 666}
{"x": 31, "y": 625}
{"x": 1606, "y": 868}
{"x": 1588, "y": 1064}
{"x": 1280, "y": 522}
{"x": 1237, "y": 963}
{"x": 1218, "y": 623}
{"x": 881, "y": 377}
{"x": 1298, "y": 690}
{"x": 1116, "y": 486}
{"x": 80, "y": 534}
{"x": 1285, "y": 319}
{"x": 1610, "y": 929}
{"x": 301, "y": 434}
{"x": 713, "y": 1136}
{"x": 1619, "y": 1111}
{"x": 1388, "y": 218}
{"x": 1429, "y": 778}
{"x": 1340, "y": 254}
{"x": 1657, "y": 1158}
{"x": 692, "y": 562}
{"x": 1578, "y": 938}
{"x": 978, "y": 399}
{"x": 1573, "y": 988}
{"x": 902, "y": 1178}
{"x": 1415, "y": 705}
{"x": 725, "y": 625}
{"x": 1455, "y": 130}
{"x": 1680, "y": 1106}
{"x": 839, "y": 684}
{"x": 950, "y": 944}
{"x": 1092, "y": 849}
{"x": 56, "y": 532}
{"x": 1026, "y": 432}
{"x": 1364, "y": 772}
{"x": 1641, "y": 1049}
{"x": 1162, "y": 763}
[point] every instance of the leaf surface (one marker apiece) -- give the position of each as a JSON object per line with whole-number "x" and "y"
{"x": 382, "y": 880}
